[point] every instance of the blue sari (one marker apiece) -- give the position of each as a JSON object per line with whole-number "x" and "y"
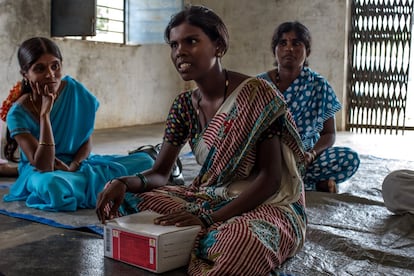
{"x": 312, "y": 101}
{"x": 72, "y": 119}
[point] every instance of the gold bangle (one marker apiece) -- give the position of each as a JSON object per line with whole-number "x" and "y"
{"x": 46, "y": 144}
{"x": 314, "y": 155}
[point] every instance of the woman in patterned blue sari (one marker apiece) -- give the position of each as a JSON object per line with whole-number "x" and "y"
{"x": 313, "y": 104}
{"x": 51, "y": 119}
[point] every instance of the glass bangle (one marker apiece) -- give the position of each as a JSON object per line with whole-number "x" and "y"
{"x": 144, "y": 181}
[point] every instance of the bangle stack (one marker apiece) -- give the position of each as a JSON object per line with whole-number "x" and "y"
{"x": 125, "y": 182}
{"x": 144, "y": 181}
{"x": 206, "y": 219}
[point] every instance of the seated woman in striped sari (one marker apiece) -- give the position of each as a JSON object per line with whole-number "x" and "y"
{"x": 248, "y": 196}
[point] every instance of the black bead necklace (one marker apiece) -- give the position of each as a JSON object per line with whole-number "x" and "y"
{"x": 224, "y": 98}
{"x": 277, "y": 78}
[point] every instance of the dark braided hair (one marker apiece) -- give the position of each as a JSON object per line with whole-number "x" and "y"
{"x": 203, "y": 18}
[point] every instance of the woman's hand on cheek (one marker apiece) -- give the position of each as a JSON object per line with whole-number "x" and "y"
{"x": 46, "y": 96}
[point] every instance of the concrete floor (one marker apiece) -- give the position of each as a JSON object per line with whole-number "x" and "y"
{"x": 28, "y": 248}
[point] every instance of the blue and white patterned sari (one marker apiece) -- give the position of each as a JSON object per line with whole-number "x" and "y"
{"x": 312, "y": 101}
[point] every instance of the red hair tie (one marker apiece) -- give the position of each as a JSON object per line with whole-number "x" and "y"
{"x": 14, "y": 94}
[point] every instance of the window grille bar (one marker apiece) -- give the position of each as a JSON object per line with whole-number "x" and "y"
{"x": 379, "y": 50}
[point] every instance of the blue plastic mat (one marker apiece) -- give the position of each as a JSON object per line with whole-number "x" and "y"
{"x": 84, "y": 219}
{"x": 94, "y": 228}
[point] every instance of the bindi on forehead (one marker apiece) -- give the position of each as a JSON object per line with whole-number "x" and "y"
{"x": 292, "y": 38}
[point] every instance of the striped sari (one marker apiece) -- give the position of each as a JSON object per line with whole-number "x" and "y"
{"x": 255, "y": 242}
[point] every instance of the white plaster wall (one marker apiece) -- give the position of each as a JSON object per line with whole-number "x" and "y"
{"x": 136, "y": 84}
{"x": 251, "y": 25}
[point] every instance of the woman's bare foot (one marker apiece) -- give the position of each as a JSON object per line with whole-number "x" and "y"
{"x": 328, "y": 186}
{"x": 6, "y": 170}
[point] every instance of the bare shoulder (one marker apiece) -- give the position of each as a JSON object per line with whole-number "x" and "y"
{"x": 238, "y": 77}
{"x": 24, "y": 99}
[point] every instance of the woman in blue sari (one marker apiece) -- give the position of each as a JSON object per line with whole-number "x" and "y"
{"x": 313, "y": 104}
{"x": 51, "y": 119}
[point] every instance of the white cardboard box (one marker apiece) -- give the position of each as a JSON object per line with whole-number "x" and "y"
{"x": 136, "y": 240}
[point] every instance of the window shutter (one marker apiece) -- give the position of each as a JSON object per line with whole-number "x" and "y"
{"x": 73, "y": 18}
{"x": 146, "y": 19}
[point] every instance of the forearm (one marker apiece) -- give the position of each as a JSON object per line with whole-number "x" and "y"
{"x": 44, "y": 156}
{"x": 262, "y": 186}
{"x": 81, "y": 154}
{"x": 146, "y": 181}
{"x": 326, "y": 140}
{"x": 258, "y": 192}
{"x": 158, "y": 175}
{"x": 327, "y": 137}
